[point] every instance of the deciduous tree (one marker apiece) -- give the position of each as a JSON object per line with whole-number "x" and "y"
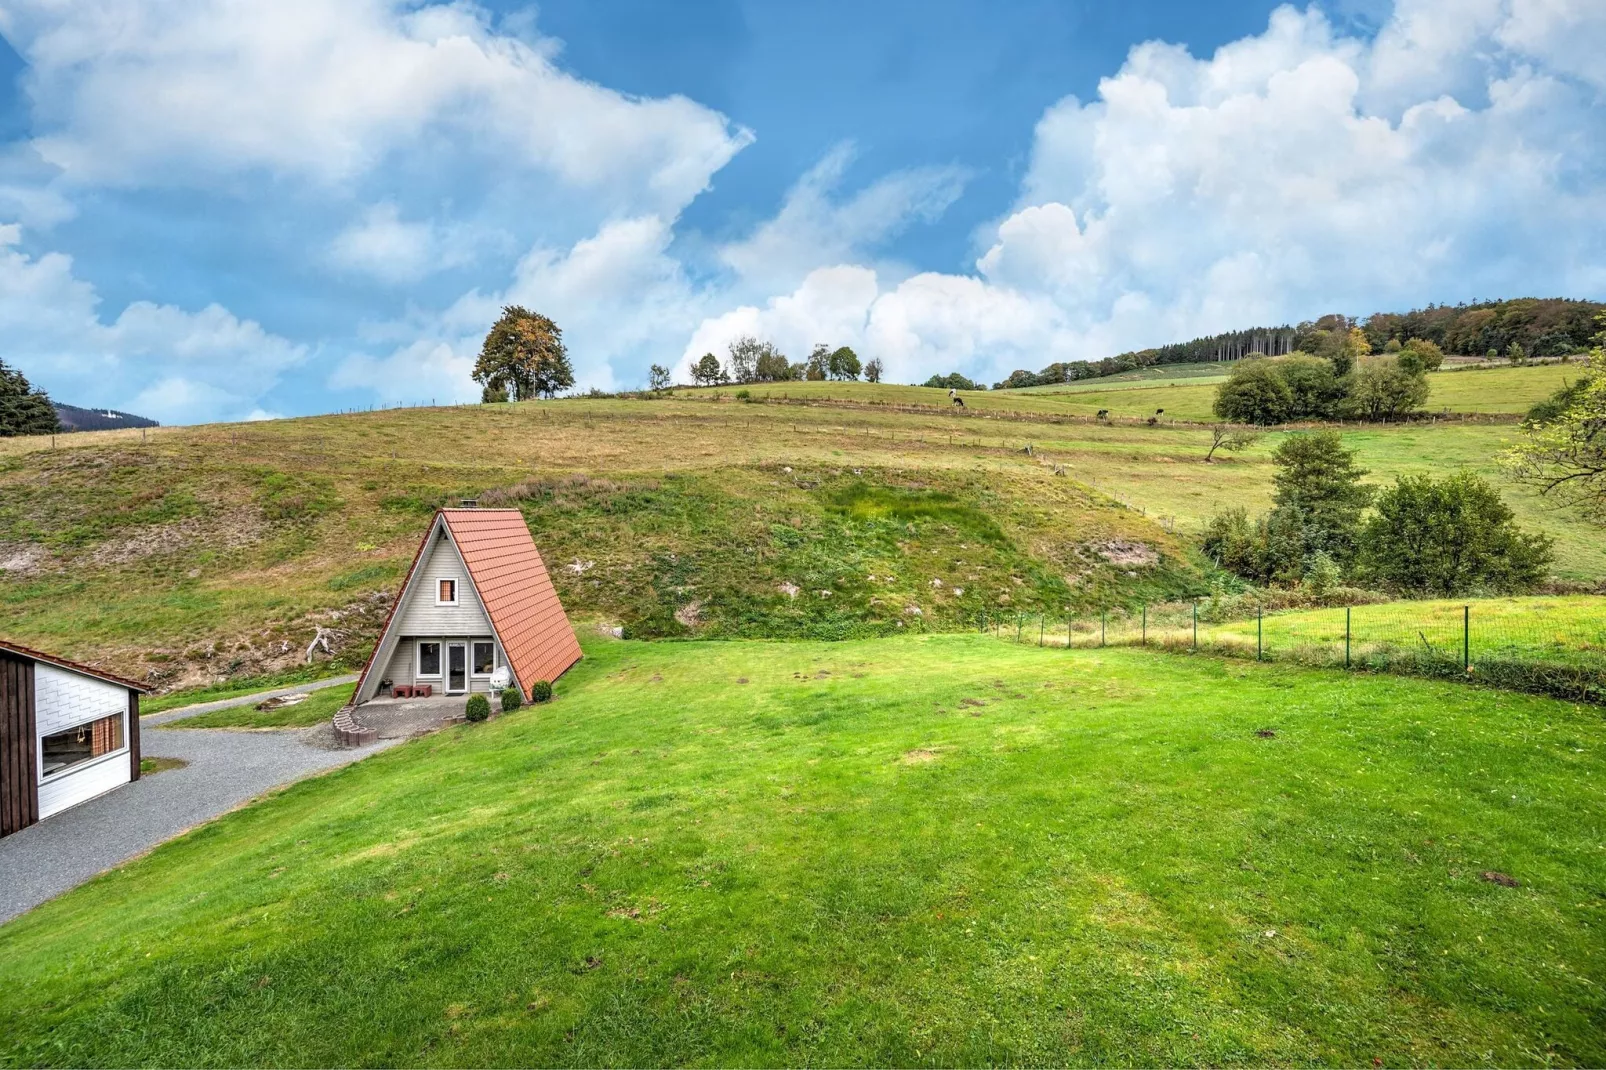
{"x": 1563, "y": 456}
{"x": 524, "y": 353}
{"x": 872, "y": 370}
{"x": 844, "y": 364}
{"x": 1448, "y": 537}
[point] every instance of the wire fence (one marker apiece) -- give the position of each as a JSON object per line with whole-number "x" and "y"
{"x": 1554, "y": 646}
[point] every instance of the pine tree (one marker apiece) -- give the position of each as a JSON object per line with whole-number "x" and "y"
{"x": 24, "y": 410}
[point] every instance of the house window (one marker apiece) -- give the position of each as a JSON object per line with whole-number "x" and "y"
{"x": 429, "y": 659}
{"x": 484, "y": 658}
{"x": 446, "y": 593}
{"x": 60, "y": 752}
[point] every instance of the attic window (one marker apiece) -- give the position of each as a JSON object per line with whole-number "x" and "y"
{"x": 446, "y": 593}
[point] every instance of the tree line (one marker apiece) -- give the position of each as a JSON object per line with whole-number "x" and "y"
{"x": 751, "y": 360}
{"x": 1515, "y": 329}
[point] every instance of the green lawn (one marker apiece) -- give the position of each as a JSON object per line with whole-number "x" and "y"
{"x": 1566, "y": 630}
{"x": 314, "y": 709}
{"x": 942, "y": 850}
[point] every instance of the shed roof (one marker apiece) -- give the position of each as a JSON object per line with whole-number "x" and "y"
{"x": 72, "y": 666}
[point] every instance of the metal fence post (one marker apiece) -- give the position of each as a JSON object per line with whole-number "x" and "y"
{"x": 1144, "y": 640}
{"x": 1466, "y": 638}
{"x": 1196, "y": 626}
{"x": 1042, "y": 623}
{"x": 1102, "y": 614}
{"x": 1017, "y": 627}
{"x": 1260, "y": 616}
{"x": 1346, "y": 636}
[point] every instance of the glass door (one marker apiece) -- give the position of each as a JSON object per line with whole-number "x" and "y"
{"x": 456, "y": 668}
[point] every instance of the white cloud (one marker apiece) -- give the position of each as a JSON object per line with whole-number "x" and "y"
{"x": 813, "y": 229}
{"x": 156, "y": 360}
{"x": 383, "y": 245}
{"x": 1460, "y": 154}
{"x": 177, "y": 93}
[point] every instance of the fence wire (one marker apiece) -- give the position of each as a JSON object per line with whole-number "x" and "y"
{"x": 1553, "y": 646}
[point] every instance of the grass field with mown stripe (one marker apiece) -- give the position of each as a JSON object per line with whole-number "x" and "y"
{"x": 942, "y": 850}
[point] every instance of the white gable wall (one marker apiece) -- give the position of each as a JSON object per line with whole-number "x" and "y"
{"x": 421, "y": 616}
{"x": 418, "y": 617}
{"x": 63, "y": 699}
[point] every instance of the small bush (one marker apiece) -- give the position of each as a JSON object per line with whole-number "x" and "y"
{"x": 478, "y": 708}
{"x": 541, "y": 691}
{"x": 511, "y": 699}
{"x": 744, "y": 394}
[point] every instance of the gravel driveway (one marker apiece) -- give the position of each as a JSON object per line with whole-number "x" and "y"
{"x": 226, "y": 769}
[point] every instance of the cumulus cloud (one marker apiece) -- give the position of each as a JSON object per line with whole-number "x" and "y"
{"x": 1459, "y": 154}
{"x": 383, "y": 245}
{"x": 126, "y": 94}
{"x": 176, "y": 366}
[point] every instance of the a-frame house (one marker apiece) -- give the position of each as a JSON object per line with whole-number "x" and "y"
{"x": 477, "y": 607}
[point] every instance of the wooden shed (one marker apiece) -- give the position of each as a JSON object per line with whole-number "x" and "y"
{"x": 477, "y": 611}
{"x": 68, "y": 733}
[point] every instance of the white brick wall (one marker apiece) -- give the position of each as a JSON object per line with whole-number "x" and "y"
{"x": 63, "y": 699}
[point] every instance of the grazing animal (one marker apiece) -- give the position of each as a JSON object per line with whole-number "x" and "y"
{"x": 959, "y": 401}
{"x": 1159, "y": 412}
{"x": 1104, "y": 414}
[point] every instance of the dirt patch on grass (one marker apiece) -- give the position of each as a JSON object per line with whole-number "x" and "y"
{"x": 223, "y": 532}
{"x": 281, "y": 702}
{"x": 24, "y": 559}
{"x": 918, "y": 756}
{"x": 1127, "y": 552}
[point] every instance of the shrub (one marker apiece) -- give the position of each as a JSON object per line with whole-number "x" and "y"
{"x": 744, "y": 394}
{"x": 1256, "y": 393}
{"x": 478, "y": 708}
{"x": 541, "y": 691}
{"x": 511, "y": 699}
{"x": 1448, "y": 537}
{"x": 1382, "y": 389}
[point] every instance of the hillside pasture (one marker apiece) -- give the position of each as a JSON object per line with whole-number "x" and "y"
{"x": 943, "y": 850}
{"x": 208, "y": 555}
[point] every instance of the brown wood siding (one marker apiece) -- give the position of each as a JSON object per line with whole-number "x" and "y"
{"x": 133, "y": 735}
{"x": 19, "y": 774}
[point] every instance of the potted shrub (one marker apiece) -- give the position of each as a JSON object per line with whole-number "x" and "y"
{"x": 478, "y": 708}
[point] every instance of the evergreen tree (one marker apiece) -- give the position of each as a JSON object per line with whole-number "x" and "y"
{"x": 24, "y": 410}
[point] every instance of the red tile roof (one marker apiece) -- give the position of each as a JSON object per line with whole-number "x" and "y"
{"x": 518, "y": 595}
{"x": 87, "y": 670}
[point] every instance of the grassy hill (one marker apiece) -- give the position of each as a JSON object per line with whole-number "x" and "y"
{"x": 193, "y": 555}
{"x": 939, "y": 849}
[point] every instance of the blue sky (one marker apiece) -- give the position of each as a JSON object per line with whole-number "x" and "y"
{"x": 211, "y": 213}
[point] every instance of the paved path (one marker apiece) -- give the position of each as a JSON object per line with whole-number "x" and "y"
{"x": 226, "y": 769}
{"x": 241, "y": 700}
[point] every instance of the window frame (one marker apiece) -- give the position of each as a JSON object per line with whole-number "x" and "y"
{"x": 77, "y": 767}
{"x": 472, "y": 672}
{"x": 457, "y": 591}
{"x": 440, "y": 660}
